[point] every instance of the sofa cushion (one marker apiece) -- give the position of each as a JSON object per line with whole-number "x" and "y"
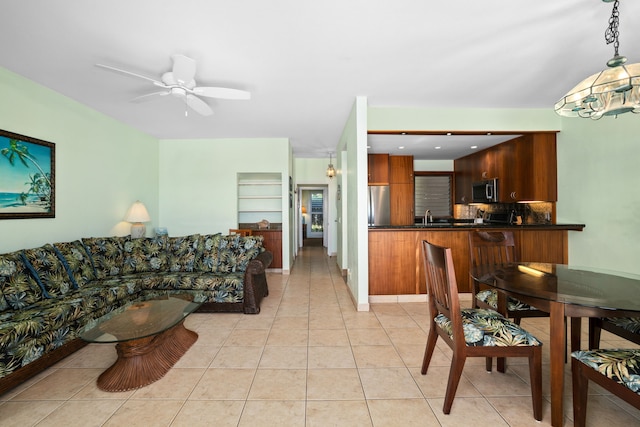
{"x": 77, "y": 262}
{"x": 16, "y": 282}
{"x": 48, "y": 270}
{"x": 182, "y": 252}
{"x": 107, "y": 255}
{"x": 207, "y": 258}
{"x": 235, "y": 252}
{"x": 146, "y": 254}
{"x": 221, "y": 287}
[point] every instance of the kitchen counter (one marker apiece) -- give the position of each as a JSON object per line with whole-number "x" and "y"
{"x": 479, "y": 226}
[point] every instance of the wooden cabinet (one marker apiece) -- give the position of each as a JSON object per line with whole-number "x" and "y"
{"x": 273, "y": 243}
{"x": 395, "y": 255}
{"x": 525, "y": 167}
{"x": 531, "y": 172}
{"x": 401, "y": 190}
{"x": 378, "y": 169}
{"x": 400, "y": 169}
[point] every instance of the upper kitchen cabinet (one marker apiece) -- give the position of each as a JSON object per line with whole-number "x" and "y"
{"x": 400, "y": 169}
{"x": 525, "y": 167}
{"x": 378, "y": 165}
{"x": 530, "y": 169}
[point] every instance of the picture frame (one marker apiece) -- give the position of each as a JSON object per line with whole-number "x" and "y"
{"x": 27, "y": 177}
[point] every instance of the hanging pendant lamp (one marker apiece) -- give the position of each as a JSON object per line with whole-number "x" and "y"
{"x": 331, "y": 171}
{"x": 613, "y": 91}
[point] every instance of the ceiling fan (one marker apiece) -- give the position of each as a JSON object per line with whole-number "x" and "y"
{"x": 180, "y": 83}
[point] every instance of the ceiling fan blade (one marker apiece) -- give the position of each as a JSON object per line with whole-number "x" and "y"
{"x": 150, "y": 95}
{"x": 140, "y": 76}
{"x": 199, "y": 105}
{"x": 222, "y": 92}
{"x": 184, "y": 69}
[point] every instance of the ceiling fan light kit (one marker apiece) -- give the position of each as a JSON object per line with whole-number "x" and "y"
{"x": 613, "y": 91}
{"x": 180, "y": 83}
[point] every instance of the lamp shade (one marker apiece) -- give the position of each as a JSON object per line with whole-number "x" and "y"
{"x": 137, "y": 213}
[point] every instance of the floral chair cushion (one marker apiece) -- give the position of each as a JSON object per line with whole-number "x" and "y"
{"x": 235, "y": 252}
{"x": 18, "y": 286}
{"x": 620, "y": 365}
{"x": 49, "y": 271}
{"x": 490, "y": 296}
{"x": 107, "y": 255}
{"x": 631, "y": 324}
{"x": 182, "y": 252}
{"x": 145, "y": 254}
{"x": 488, "y": 328}
{"x": 76, "y": 260}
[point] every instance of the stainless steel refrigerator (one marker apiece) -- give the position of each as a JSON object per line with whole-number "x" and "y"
{"x": 378, "y": 205}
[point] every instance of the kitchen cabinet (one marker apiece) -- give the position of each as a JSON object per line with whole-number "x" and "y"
{"x": 378, "y": 169}
{"x": 273, "y": 243}
{"x": 525, "y": 167}
{"x": 395, "y": 255}
{"x": 401, "y": 190}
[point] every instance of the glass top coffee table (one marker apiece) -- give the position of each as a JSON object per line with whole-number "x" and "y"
{"x": 150, "y": 338}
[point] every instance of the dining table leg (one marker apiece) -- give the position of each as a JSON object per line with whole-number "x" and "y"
{"x": 557, "y": 332}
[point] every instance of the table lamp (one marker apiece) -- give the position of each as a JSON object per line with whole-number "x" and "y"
{"x": 136, "y": 215}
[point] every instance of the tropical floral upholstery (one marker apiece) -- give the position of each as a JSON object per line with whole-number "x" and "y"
{"x": 620, "y": 365}
{"x": 490, "y": 296}
{"x": 235, "y": 252}
{"x": 48, "y": 293}
{"x": 182, "y": 252}
{"x": 76, "y": 260}
{"x": 631, "y": 324}
{"x": 18, "y": 286}
{"x": 488, "y": 328}
{"x": 49, "y": 271}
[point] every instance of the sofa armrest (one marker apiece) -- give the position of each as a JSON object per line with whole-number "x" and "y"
{"x": 260, "y": 263}
{"x": 255, "y": 282}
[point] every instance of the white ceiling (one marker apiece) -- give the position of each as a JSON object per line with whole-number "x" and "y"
{"x": 305, "y": 62}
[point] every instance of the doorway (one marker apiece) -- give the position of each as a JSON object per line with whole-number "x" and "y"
{"x": 313, "y": 216}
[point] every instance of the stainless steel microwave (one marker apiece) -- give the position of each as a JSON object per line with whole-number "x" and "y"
{"x": 485, "y": 191}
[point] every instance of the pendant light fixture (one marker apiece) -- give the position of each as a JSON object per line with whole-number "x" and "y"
{"x": 331, "y": 171}
{"x": 613, "y": 91}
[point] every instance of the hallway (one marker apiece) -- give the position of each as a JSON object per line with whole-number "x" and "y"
{"x": 308, "y": 359}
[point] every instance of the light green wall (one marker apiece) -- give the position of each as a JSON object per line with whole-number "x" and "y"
{"x": 598, "y": 185}
{"x": 102, "y": 166}
{"x": 198, "y": 183}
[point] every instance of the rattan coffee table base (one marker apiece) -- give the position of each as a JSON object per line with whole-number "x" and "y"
{"x": 143, "y": 361}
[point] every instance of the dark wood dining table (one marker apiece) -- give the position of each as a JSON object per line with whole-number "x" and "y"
{"x": 563, "y": 291}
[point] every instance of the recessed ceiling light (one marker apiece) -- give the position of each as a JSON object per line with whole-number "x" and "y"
{"x": 403, "y": 133}
{"x": 473, "y": 147}
{"x": 401, "y": 147}
{"x": 437, "y": 148}
{"x": 448, "y": 133}
{"x": 488, "y": 133}
{"x": 368, "y": 146}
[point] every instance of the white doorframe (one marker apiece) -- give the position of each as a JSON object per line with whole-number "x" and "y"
{"x": 325, "y": 211}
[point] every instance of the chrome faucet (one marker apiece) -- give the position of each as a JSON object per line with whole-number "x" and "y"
{"x": 427, "y": 217}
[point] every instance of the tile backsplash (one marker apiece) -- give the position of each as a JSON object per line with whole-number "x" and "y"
{"x": 531, "y": 213}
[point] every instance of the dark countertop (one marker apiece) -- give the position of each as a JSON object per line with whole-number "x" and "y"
{"x": 473, "y": 226}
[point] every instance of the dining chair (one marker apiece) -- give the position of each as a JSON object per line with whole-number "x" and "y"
{"x": 625, "y": 327}
{"x": 496, "y": 248}
{"x": 472, "y": 332}
{"x": 617, "y": 371}
{"x": 241, "y": 231}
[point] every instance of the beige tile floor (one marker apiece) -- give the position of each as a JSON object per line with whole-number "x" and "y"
{"x": 308, "y": 359}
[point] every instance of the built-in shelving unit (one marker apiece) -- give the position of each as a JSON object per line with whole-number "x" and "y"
{"x": 259, "y": 197}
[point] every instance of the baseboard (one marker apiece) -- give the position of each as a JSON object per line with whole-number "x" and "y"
{"x": 381, "y": 299}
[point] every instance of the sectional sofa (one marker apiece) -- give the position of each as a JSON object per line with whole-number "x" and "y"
{"x": 48, "y": 293}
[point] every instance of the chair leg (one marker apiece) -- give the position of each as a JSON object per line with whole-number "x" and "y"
{"x": 428, "y": 351}
{"x": 475, "y": 288}
{"x": 594, "y": 333}
{"x": 457, "y": 365}
{"x": 489, "y": 363}
{"x": 535, "y": 373}
{"x": 501, "y": 365}
{"x": 580, "y": 391}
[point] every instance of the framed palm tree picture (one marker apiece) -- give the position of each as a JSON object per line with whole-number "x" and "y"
{"x": 27, "y": 177}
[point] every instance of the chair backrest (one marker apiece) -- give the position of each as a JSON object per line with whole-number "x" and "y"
{"x": 492, "y": 248}
{"x": 442, "y": 287}
{"x": 241, "y": 231}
